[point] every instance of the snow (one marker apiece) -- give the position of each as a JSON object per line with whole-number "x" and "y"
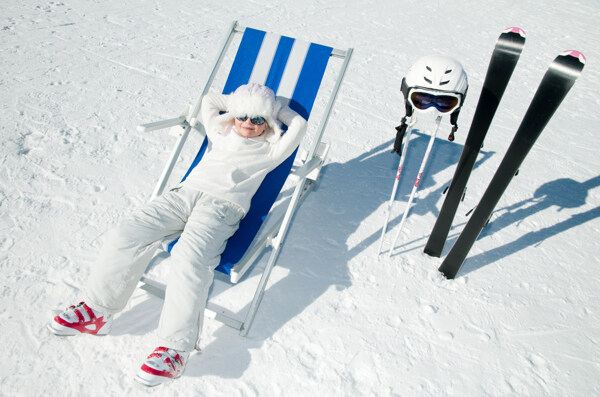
{"x": 521, "y": 318}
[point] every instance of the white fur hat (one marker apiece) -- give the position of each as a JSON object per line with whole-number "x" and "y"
{"x": 254, "y": 100}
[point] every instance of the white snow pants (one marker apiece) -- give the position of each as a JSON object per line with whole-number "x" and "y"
{"x": 205, "y": 224}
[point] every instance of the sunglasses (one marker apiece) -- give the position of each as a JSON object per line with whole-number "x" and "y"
{"x": 257, "y": 120}
{"x": 424, "y": 100}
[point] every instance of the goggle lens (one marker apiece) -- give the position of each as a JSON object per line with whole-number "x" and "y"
{"x": 424, "y": 100}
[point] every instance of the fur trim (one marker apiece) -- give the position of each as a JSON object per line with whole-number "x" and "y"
{"x": 253, "y": 100}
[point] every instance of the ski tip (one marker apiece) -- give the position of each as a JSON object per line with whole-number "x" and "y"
{"x": 516, "y": 30}
{"x": 575, "y": 54}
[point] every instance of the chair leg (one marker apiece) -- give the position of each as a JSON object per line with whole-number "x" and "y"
{"x": 300, "y": 193}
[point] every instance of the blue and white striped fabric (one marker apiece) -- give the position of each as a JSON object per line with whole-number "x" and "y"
{"x": 293, "y": 69}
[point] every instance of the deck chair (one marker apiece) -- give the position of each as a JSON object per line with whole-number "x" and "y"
{"x": 293, "y": 69}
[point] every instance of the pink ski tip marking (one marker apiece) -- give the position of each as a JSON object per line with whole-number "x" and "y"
{"x": 576, "y": 54}
{"x": 516, "y": 30}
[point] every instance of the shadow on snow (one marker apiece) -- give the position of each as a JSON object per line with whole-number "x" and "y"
{"x": 317, "y": 253}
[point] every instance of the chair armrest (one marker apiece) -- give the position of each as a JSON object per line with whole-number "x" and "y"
{"x": 310, "y": 169}
{"x": 307, "y": 168}
{"x": 158, "y": 125}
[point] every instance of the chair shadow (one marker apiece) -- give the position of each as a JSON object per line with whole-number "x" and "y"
{"x": 317, "y": 260}
{"x": 562, "y": 193}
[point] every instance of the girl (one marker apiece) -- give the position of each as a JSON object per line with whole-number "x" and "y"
{"x": 246, "y": 143}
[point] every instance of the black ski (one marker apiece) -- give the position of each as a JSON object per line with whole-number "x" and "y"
{"x": 504, "y": 59}
{"x": 555, "y": 85}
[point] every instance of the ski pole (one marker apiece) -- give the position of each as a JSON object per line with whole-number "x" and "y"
{"x": 404, "y": 150}
{"x": 416, "y": 186}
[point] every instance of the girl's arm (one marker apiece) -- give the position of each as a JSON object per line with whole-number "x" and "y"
{"x": 294, "y": 134}
{"x": 212, "y": 106}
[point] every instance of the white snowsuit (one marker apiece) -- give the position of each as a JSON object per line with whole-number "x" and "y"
{"x": 206, "y": 209}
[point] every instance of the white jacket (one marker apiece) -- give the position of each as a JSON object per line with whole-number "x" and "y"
{"x": 233, "y": 167}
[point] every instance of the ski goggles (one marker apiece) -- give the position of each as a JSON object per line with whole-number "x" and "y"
{"x": 256, "y": 120}
{"x": 424, "y": 100}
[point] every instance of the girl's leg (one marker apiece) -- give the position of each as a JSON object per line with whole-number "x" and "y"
{"x": 129, "y": 248}
{"x": 191, "y": 268}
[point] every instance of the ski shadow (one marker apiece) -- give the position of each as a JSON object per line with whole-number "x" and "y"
{"x": 564, "y": 193}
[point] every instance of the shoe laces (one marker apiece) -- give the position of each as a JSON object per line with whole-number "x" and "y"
{"x": 81, "y": 313}
{"x": 169, "y": 356}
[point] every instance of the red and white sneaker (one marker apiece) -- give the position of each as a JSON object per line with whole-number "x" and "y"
{"x": 161, "y": 366}
{"x": 80, "y": 319}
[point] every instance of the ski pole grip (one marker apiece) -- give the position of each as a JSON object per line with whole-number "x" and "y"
{"x": 400, "y": 131}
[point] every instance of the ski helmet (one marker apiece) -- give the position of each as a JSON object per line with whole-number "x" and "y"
{"x": 436, "y": 75}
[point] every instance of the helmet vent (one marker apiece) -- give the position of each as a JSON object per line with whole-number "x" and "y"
{"x": 448, "y": 71}
{"x": 428, "y": 80}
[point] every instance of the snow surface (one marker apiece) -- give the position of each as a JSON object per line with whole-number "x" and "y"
{"x": 521, "y": 318}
